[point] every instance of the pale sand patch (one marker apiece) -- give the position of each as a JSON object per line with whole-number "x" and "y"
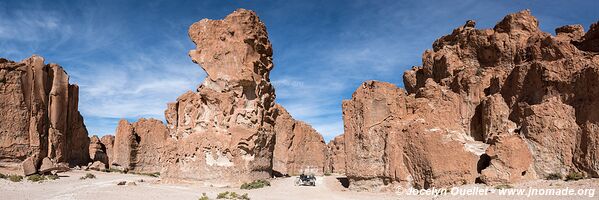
{"x": 69, "y": 186}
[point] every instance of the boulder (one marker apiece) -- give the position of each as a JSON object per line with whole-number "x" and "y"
{"x": 98, "y": 166}
{"x": 28, "y": 166}
{"x": 50, "y": 166}
{"x": 47, "y": 165}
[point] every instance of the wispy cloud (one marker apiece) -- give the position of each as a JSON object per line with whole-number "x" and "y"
{"x": 130, "y": 58}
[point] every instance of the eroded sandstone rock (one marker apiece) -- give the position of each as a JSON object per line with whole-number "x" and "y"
{"x": 224, "y": 132}
{"x": 392, "y": 137}
{"x": 510, "y": 161}
{"x": 139, "y": 147}
{"x": 335, "y": 162}
{"x": 298, "y": 147}
{"x": 48, "y": 166}
{"x": 40, "y": 115}
{"x": 108, "y": 142}
{"x": 516, "y": 99}
{"x": 97, "y": 150}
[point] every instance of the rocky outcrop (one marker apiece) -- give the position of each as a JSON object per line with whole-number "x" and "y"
{"x": 497, "y": 105}
{"x": 335, "y": 156}
{"x": 97, "y": 150}
{"x": 139, "y": 147}
{"x": 107, "y": 142}
{"x": 224, "y": 132}
{"x": 393, "y": 137}
{"x": 40, "y": 115}
{"x": 299, "y": 149}
{"x": 508, "y": 160}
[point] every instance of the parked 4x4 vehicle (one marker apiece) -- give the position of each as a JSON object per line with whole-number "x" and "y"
{"x": 306, "y": 180}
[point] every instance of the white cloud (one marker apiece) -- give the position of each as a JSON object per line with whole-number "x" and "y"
{"x": 131, "y": 67}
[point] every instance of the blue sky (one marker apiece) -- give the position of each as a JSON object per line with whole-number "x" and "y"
{"x": 130, "y": 57}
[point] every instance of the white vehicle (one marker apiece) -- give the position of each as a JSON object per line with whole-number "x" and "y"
{"x": 305, "y": 180}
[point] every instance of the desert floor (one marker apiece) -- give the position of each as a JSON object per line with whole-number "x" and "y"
{"x": 104, "y": 186}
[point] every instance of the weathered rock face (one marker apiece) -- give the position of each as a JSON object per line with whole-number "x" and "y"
{"x": 335, "y": 156}
{"x": 509, "y": 161}
{"x": 40, "y": 115}
{"x": 298, "y": 147}
{"x": 526, "y": 95}
{"x": 224, "y": 132}
{"x": 393, "y": 137}
{"x": 139, "y": 146}
{"x": 108, "y": 142}
{"x": 97, "y": 150}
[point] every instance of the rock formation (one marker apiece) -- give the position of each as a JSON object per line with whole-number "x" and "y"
{"x": 139, "y": 147}
{"x": 97, "y": 150}
{"x": 497, "y": 105}
{"x": 335, "y": 156}
{"x": 108, "y": 142}
{"x": 224, "y": 132}
{"x": 40, "y": 115}
{"x": 298, "y": 147}
{"x": 391, "y": 136}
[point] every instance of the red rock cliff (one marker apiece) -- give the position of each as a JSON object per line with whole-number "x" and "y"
{"x": 40, "y": 116}
{"x": 497, "y": 105}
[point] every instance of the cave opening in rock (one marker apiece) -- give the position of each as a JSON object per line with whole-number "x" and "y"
{"x": 276, "y": 173}
{"x": 344, "y": 181}
{"x": 483, "y": 162}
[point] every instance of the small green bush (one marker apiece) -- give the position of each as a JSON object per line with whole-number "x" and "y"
{"x": 222, "y": 195}
{"x": 52, "y": 177}
{"x": 574, "y": 176}
{"x": 232, "y": 195}
{"x": 503, "y": 186}
{"x": 244, "y": 197}
{"x": 15, "y": 178}
{"x": 255, "y": 185}
{"x": 204, "y": 197}
{"x": 114, "y": 170}
{"x": 2, "y": 176}
{"x": 88, "y": 176}
{"x": 36, "y": 178}
{"x": 327, "y": 174}
{"x": 554, "y": 176}
{"x": 155, "y": 174}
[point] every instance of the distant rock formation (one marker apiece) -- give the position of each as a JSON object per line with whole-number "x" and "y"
{"x": 40, "y": 117}
{"x": 107, "y": 142}
{"x": 497, "y": 105}
{"x": 97, "y": 150}
{"x": 139, "y": 147}
{"x": 335, "y": 156}
{"x": 298, "y": 147}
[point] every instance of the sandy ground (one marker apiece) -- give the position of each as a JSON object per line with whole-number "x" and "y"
{"x": 69, "y": 186}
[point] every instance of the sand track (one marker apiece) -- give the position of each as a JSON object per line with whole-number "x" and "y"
{"x": 69, "y": 186}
